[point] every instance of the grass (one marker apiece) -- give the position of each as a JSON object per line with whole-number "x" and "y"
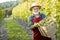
{"x": 15, "y": 32}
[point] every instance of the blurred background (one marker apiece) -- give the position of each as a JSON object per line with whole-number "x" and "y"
{"x": 14, "y": 17}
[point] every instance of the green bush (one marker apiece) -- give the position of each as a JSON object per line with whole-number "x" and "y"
{"x": 1, "y": 14}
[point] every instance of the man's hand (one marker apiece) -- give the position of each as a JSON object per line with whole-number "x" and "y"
{"x": 35, "y": 25}
{"x": 32, "y": 26}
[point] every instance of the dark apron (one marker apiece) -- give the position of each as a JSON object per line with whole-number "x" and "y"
{"x": 36, "y": 34}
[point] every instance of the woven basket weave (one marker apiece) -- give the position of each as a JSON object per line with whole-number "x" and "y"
{"x": 47, "y": 27}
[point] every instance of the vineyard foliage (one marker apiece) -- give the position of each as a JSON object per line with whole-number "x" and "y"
{"x": 51, "y": 8}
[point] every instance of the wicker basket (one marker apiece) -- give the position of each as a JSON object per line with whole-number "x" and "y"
{"x": 47, "y": 29}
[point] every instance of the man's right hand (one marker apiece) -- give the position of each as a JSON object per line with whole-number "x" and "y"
{"x": 32, "y": 26}
{"x": 35, "y": 25}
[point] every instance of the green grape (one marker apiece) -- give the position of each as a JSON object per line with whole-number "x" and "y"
{"x": 37, "y": 25}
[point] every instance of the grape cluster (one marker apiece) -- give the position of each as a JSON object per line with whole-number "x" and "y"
{"x": 46, "y": 21}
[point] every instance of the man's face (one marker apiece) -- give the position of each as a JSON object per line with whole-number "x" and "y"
{"x": 35, "y": 9}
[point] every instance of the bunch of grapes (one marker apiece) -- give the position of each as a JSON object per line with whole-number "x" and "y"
{"x": 47, "y": 21}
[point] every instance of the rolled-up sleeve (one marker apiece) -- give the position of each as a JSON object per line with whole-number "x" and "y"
{"x": 30, "y": 22}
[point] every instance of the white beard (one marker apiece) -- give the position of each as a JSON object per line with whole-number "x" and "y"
{"x": 36, "y": 12}
{"x": 37, "y": 16}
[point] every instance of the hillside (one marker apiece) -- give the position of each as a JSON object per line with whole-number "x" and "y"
{"x": 8, "y": 4}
